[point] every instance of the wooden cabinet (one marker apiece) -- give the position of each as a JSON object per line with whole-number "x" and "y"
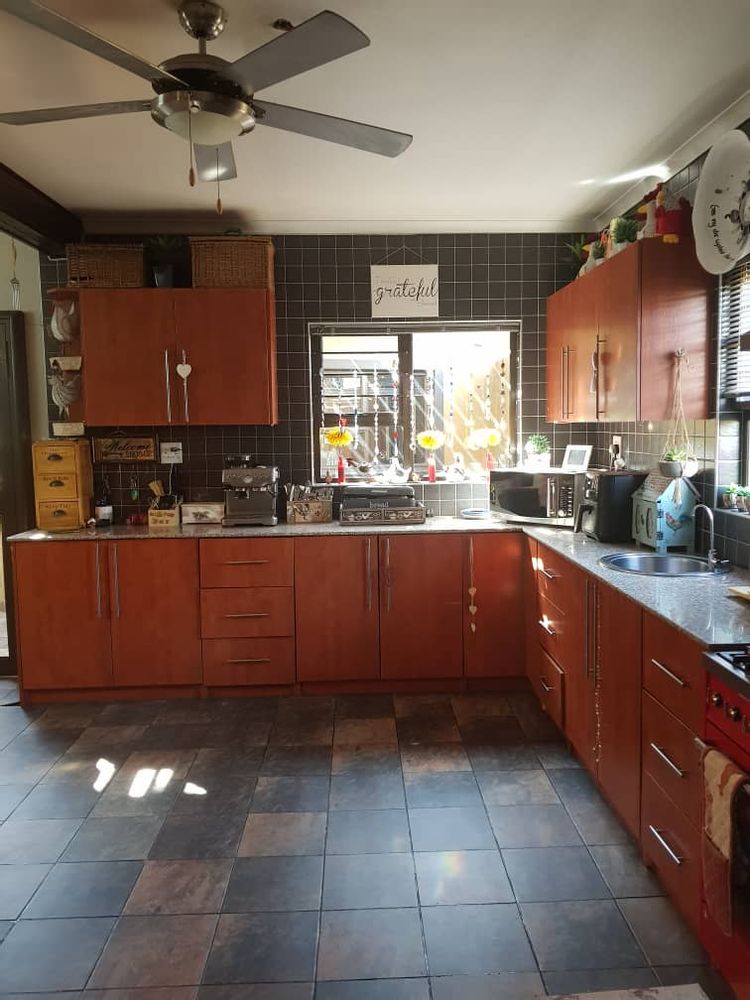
{"x": 421, "y": 606}
{"x": 493, "y": 633}
{"x": 62, "y": 613}
{"x": 247, "y": 562}
{"x": 612, "y": 335}
{"x": 154, "y": 612}
{"x": 337, "y": 609}
{"x": 673, "y": 671}
{"x": 132, "y": 341}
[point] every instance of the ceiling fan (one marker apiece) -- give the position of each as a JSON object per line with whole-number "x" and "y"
{"x": 210, "y": 101}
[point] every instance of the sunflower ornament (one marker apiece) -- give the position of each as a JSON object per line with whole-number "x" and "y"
{"x": 431, "y": 440}
{"x": 339, "y": 437}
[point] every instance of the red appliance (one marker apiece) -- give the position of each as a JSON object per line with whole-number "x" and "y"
{"x": 728, "y": 730}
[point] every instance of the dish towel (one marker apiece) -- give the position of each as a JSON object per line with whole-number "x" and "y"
{"x": 721, "y": 781}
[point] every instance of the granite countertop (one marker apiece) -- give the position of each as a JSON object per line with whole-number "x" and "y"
{"x": 699, "y": 606}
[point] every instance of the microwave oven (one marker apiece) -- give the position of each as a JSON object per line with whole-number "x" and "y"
{"x": 529, "y": 496}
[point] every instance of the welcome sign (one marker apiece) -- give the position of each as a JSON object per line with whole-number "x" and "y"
{"x": 404, "y": 290}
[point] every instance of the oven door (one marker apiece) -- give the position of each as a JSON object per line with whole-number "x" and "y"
{"x": 731, "y": 955}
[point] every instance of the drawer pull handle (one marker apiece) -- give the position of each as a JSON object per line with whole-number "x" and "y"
{"x": 248, "y": 614}
{"x": 667, "y": 760}
{"x": 664, "y": 845}
{"x": 56, "y": 483}
{"x": 252, "y": 659}
{"x": 545, "y": 686}
{"x": 54, "y": 457}
{"x": 546, "y": 572}
{"x": 672, "y": 676}
{"x": 59, "y": 513}
{"x": 246, "y": 562}
{"x": 547, "y": 627}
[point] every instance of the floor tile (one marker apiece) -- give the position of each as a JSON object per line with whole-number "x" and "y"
{"x": 492, "y": 729}
{"x": 707, "y": 978}
{"x": 374, "y": 989}
{"x": 595, "y": 821}
{"x": 367, "y": 791}
{"x": 174, "y": 737}
{"x": 57, "y": 801}
{"x": 533, "y": 826}
{"x": 500, "y": 986}
{"x": 554, "y": 873}
{"x": 661, "y": 932}
{"x": 198, "y": 837}
{"x": 364, "y": 706}
{"x": 253, "y": 991}
{"x": 110, "y": 736}
{"x": 283, "y": 834}
{"x": 360, "y": 831}
{"x": 370, "y": 944}
{"x": 180, "y": 887}
{"x": 263, "y": 947}
{"x": 35, "y": 841}
{"x": 149, "y": 792}
{"x": 596, "y": 980}
{"x": 39, "y": 955}
{"x": 369, "y": 881}
{"x": 454, "y": 877}
{"x": 555, "y": 755}
{"x": 427, "y": 729}
{"x": 86, "y": 889}
{"x": 222, "y": 764}
{"x": 301, "y": 732}
{"x": 431, "y": 706}
{"x": 83, "y": 768}
{"x": 131, "y": 713}
{"x": 213, "y": 795}
{"x": 450, "y": 829}
{"x": 624, "y": 872}
{"x": 431, "y": 790}
{"x": 502, "y": 757}
{"x": 113, "y": 839}
{"x": 366, "y": 758}
{"x": 476, "y": 939}
{"x": 178, "y": 762}
{"x": 290, "y": 794}
{"x": 357, "y": 731}
{"x": 155, "y": 951}
{"x": 516, "y": 788}
{"x": 269, "y": 884}
{"x": 18, "y": 883}
{"x": 581, "y": 935}
{"x": 11, "y": 796}
{"x": 294, "y": 760}
{"x": 435, "y": 757}
{"x": 183, "y": 712}
{"x": 21, "y": 768}
{"x": 479, "y": 706}
{"x": 5, "y": 926}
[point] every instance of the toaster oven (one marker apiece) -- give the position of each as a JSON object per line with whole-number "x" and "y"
{"x": 549, "y": 496}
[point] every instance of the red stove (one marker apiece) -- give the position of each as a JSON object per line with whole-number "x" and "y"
{"x": 728, "y": 730}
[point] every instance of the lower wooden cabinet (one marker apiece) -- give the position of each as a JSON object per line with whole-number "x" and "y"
{"x": 549, "y": 683}
{"x": 493, "y": 632}
{"x": 246, "y": 612}
{"x": 248, "y": 662}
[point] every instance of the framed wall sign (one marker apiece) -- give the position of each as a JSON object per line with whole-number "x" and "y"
{"x": 404, "y": 290}
{"x": 124, "y": 449}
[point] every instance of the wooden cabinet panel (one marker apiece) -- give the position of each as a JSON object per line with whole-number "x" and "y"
{"x": 619, "y": 702}
{"x": 560, "y": 581}
{"x": 247, "y": 612}
{"x": 337, "y": 614}
{"x": 154, "y": 612}
{"x": 124, "y": 336}
{"x": 245, "y": 662}
{"x": 673, "y": 671}
{"x": 531, "y": 606}
{"x": 580, "y": 678}
{"x": 548, "y": 682}
{"x": 226, "y": 336}
{"x": 617, "y": 308}
{"x": 62, "y": 614}
{"x": 247, "y": 562}
{"x": 558, "y": 326}
{"x": 578, "y": 385}
{"x": 672, "y": 756}
{"x": 494, "y": 566}
{"x": 420, "y": 606}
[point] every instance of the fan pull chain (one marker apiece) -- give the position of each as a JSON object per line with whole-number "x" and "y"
{"x": 219, "y": 206}
{"x": 191, "y": 171}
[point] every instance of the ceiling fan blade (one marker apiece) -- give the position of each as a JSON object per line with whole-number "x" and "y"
{"x": 371, "y": 138}
{"x": 215, "y": 162}
{"x": 49, "y": 20}
{"x": 319, "y": 40}
{"x": 76, "y": 111}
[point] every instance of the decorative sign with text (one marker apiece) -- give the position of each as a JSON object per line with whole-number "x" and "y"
{"x": 124, "y": 449}
{"x": 404, "y": 290}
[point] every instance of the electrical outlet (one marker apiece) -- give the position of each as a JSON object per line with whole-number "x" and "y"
{"x": 617, "y": 443}
{"x": 170, "y": 452}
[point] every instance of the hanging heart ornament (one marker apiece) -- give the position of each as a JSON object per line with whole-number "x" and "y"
{"x": 184, "y": 369}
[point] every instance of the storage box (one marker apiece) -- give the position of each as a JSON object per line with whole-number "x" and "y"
{"x": 105, "y": 265}
{"x": 164, "y": 518}
{"x": 202, "y": 513}
{"x": 232, "y": 261}
{"x": 309, "y": 511}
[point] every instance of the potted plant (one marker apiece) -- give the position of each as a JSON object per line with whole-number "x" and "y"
{"x": 623, "y": 230}
{"x": 537, "y": 451}
{"x": 164, "y": 254}
{"x": 672, "y": 463}
{"x": 729, "y": 498}
{"x": 743, "y": 499}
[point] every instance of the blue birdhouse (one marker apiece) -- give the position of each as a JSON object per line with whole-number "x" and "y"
{"x": 663, "y": 511}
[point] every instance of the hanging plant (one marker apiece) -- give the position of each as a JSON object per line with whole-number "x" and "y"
{"x": 678, "y": 461}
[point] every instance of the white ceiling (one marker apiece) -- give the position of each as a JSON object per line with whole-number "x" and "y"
{"x": 512, "y": 104}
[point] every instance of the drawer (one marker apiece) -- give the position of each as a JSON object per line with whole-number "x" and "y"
{"x": 561, "y": 635}
{"x": 61, "y": 515}
{"x": 247, "y": 562}
{"x": 240, "y": 662}
{"x": 559, "y": 581}
{"x": 50, "y": 486}
{"x": 673, "y": 672}
{"x": 672, "y": 757}
{"x": 671, "y": 846}
{"x": 549, "y": 683}
{"x": 54, "y": 457}
{"x": 247, "y": 612}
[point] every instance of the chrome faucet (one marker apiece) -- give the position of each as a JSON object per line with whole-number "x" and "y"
{"x": 712, "y": 557}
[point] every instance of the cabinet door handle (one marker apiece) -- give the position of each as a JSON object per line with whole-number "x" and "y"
{"x": 116, "y": 581}
{"x": 168, "y": 385}
{"x": 672, "y": 855}
{"x": 388, "y": 581}
{"x": 546, "y": 572}
{"x": 598, "y": 370}
{"x": 185, "y": 398}
{"x": 98, "y": 583}
{"x": 672, "y": 676}
{"x": 563, "y": 390}
{"x": 547, "y": 627}
{"x": 248, "y": 614}
{"x": 568, "y": 408}
{"x": 368, "y": 573}
{"x": 246, "y": 562}
{"x": 545, "y": 686}
{"x": 667, "y": 760}
{"x": 251, "y": 659}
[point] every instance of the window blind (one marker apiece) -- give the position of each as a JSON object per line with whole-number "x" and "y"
{"x": 735, "y": 333}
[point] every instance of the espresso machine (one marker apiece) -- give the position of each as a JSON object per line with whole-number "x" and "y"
{"x": 251, "y": 492}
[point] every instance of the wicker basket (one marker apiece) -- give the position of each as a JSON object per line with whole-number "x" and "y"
{"x": 232, "y": 261}
{"x": 105, "y": 265}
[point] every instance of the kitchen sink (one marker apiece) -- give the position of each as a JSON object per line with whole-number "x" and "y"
{"x": 654, "y": 564}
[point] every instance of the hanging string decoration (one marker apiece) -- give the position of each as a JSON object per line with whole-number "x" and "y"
{"x": 412, "y": 414}
{"x": 429, "y": 391}
{"x": 451, "y": 425}
{"x": 376, "y": 417}
{"x": 395, "y": 411}
{"x": 355, "y": 404}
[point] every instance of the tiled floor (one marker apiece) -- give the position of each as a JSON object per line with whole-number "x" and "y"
{"x": 379, "y": 847}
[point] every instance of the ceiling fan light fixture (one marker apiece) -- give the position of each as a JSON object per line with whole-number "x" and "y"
{"x": 209, "y": 119}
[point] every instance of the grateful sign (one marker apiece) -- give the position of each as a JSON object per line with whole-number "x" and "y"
{"x": 404, "y": 290}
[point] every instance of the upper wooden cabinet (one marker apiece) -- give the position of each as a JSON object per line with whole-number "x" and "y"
{"x": 612, "y": 335}
{"x": 132, "y": 341}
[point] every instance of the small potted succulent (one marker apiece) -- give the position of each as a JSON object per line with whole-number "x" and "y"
{"x": 537, "y": 452}
{"x": 729, "y": 497}
{"x": 623, "y": 230}
{"x": 743, "y": 499}
{"x": 672, "y": 463}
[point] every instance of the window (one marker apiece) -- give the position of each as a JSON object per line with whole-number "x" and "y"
{"x": 735, "y": 334}
{"x": 402, "y": 393}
